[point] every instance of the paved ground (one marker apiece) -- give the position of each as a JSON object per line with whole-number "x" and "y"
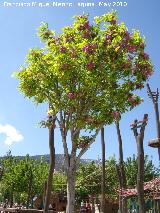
{"x": 96, "y": 210}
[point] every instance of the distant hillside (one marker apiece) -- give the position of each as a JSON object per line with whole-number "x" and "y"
{"x": 59, "y": 162}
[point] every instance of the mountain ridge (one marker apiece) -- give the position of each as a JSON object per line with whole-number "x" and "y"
{"x": 60, "y": 164}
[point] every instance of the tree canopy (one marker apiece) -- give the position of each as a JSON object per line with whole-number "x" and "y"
{"x": 89, "y": 71}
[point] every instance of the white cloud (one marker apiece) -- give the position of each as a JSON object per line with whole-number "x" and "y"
{"x": 12, "y": 134}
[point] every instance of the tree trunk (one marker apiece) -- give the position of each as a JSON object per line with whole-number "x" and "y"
{"x": 11, "y": 197}
{"x": 103, "y": 171}
{"x": 140, "y": 175}
{"x": 29, "y": 188}
{"x": 157, "y": 123}
{"x": 71, "y": 185}
{"x": 51, "y": 170}
{"x": 122, "y": 177}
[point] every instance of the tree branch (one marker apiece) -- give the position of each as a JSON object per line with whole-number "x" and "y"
{"x": 87, "y": 147}
{"x": 151, "y": 94}
{"x": 145, "y": 119}
{"x": 135, "y": 128}
{"x": 64, "y": 139}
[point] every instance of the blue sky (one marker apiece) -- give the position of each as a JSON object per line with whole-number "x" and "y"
{"x": 19, "y": 116}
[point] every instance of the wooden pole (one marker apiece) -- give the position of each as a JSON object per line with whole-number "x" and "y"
{"x": 140, "y": 160}
{"x": 52, "y": 166}
{"x": 122, "y": 178}
{"x": 154, "y": 96}
{"x": 103, "y": 171}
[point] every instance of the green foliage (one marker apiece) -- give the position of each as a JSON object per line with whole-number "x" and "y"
{"x": 111, "y": 178}
{"x": 59, "y": 182}
{"x": 88, "y": 71}
{"x": 131, "y": 169}
{"x": 89, "y": 177}
{"x": 16, "y": 176}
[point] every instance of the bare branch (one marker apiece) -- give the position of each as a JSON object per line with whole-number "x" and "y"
{"x": 87, "y": 147}
{"x": 134, "y": 128}
{"x": 145, "y": 119}
{"x": 76, "y": 131}
{"x": 152, "y": 95}
{"x": 58, "y": 121}
{"x": 67, "y": 121}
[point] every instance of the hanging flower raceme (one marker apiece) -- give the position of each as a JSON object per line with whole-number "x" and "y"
{"x": 90, "y": 48}
{"x": 115, "y": 115}
{"x": 71, "y": 95}
{"x": 90, "y": 66}
{"x": 84, "y": 26}
{"x": 62, "y": 49}
{"x": 134, "y": 100}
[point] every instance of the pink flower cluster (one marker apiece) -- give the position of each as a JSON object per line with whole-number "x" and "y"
{"x": 147, "y": 73}
{"x": 108, "y": 39}
{"x": 139, "y": 85}
{"x": 131, "y": 48}
{"x": 84, "y": 26}
{"x": 131, "y": 99}
{"x": 71, "y": 95}
{"x": 90, "y": 65}
{"x": 146, "y": 70}
{"x": 89, "y": 48}
{"x": 69, "y": 38}
{"x": 115, "y": 114}
{"x": 146, "y": 56}
{"x": 127, "y": 35}
{"x": 126, "y": 65}
{"x": 134, "y": 101}
{"x": 87, "y": 34}
{"x": 142, "y": 45}
{"x": 113, "y": 21}
{"x": 62, "y": 49}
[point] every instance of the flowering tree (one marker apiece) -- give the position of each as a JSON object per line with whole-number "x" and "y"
{"x": 87, "y": 74}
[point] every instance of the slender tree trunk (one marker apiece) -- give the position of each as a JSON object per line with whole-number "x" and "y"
{"x": 51, "y": 169}
{"x": 103, "y": 171}
{"x": 44, "y": 191}
{"x": 140, "y": 160}
{"x": 157, "y": 123}
{"x": 29, "y": 188}
{"x": 122, "y": 177}
{"x": 71, "y": 185}
{"x": 155, "y": 96}
{"x": 11, "y": 198}
{"x": 71, "y": 160}
{"x": 140, "y": 175}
